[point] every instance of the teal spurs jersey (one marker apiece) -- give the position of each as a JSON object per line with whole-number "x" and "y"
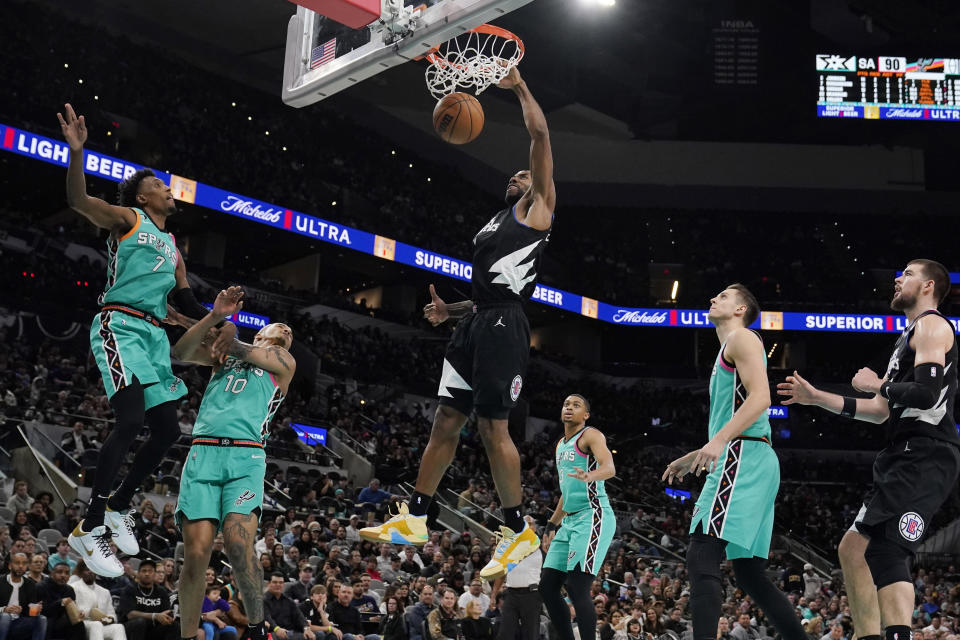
{"x": 577, "y": 494}
{"x": 727, "y": 393}
{"x": 239, "y": 402}
{"x": 140, "y": 268}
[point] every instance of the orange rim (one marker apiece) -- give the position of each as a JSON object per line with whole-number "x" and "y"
{"x": 483, "y": 28}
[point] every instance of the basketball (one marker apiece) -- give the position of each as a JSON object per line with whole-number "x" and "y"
{"x": 458, "y": 118}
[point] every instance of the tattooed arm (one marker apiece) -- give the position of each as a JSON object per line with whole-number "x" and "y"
{"x": 274, "y": 359}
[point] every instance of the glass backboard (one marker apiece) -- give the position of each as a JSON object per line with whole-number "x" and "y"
{"x": 324, "y": 56}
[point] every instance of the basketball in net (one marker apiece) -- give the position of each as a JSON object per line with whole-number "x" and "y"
{"x": 473, "y": 60}
{"x": 458, "y": 118}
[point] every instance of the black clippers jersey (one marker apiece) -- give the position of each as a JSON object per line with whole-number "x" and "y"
{"x": 937, "y": 421}
{"x": 506, "y": 255}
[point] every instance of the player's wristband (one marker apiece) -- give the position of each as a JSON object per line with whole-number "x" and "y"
{"x": 552, "y": 526}
{"x": 849, "y": 407}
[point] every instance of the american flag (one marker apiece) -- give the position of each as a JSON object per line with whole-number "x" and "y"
{"x": 324, "y": 53}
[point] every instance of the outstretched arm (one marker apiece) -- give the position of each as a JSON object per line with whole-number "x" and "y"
{"x": 796, "y": 390}
{"x": 97, "y": 211}
{"x": 542, "y": 195}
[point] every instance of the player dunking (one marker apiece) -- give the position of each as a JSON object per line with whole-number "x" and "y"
{"x": 128, "y": 343}
{"x": 585, "y": 518}
{"x": 486, "y": 359}
{"x": 916, "y": 470}
{"x": 735, "y": 510}
{"x": 222, "y": 483}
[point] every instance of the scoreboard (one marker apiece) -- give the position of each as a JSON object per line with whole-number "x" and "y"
{"x": 888, "y": 88}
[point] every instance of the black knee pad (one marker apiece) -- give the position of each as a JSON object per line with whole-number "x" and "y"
{"x": 704, "y": 556}
{"x": 888, "y": 562}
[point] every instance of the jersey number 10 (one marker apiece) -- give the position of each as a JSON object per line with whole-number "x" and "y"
{"x": 235, "y": 385}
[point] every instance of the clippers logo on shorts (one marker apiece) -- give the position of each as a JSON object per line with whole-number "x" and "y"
{"x": 515, "y": 387}
{"x": 911, "y": 526}
{"x": 246, "y": 495}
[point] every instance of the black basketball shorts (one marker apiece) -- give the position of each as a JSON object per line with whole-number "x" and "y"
{"x": 486, "y": 361}
{"x": 911, "y": 479}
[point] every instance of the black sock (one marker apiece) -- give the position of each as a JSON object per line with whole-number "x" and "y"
{"x": 256, "y": 632}
{"x": 94, "y": 516}
{"x": 419, "y": 503}
{"x": 897, "y": 632}
{"x": 876, "y": 637}
{"x": 513, "y": 518}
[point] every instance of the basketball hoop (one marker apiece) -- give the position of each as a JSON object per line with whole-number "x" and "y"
{"x": 475, "y": 59}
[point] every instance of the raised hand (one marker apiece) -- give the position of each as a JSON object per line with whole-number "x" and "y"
{"x": 74, "y": 129}
{"x": 796, "y": 390}
{"x": 510, "y": 80}
{"x": 228, "y": 302}
{"x": 435, "y": 311}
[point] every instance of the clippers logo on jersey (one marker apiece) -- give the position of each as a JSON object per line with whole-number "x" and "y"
{"x": 911, "y": 526}
{"x": 515, "y": 387}
{"x": 490, "y": 227}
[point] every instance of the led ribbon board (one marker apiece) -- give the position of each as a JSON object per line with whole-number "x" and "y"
{"x": 245, "y": 319}
{"x": 56, "y": 152}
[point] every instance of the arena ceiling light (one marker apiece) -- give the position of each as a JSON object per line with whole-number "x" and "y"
{"x": 599, "y": 3}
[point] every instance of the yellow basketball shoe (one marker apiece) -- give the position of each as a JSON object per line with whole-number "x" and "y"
{"x": 402, "y": 528}
{"x": 512, "y": 548}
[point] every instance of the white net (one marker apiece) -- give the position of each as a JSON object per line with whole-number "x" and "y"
{"x": 474, "y": 60}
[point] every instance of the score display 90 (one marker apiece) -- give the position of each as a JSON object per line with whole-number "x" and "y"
{"x": 888, "y": 87}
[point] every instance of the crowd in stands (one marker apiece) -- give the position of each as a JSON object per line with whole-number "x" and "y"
{"x": 322, "y": 581}
{"x": 218, "y": 136}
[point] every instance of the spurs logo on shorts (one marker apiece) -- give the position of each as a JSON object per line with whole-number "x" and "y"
{"x": 246, "y": 495}
{"x": 515, "y": 387}
{"x": 911, "y": 526}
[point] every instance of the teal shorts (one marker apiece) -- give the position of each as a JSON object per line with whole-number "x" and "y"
{"x": 736, "y": 503}
{"x": 220, "y": 480}
{"x": 125, "y": 346}
{"x": 582, "y": 539}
